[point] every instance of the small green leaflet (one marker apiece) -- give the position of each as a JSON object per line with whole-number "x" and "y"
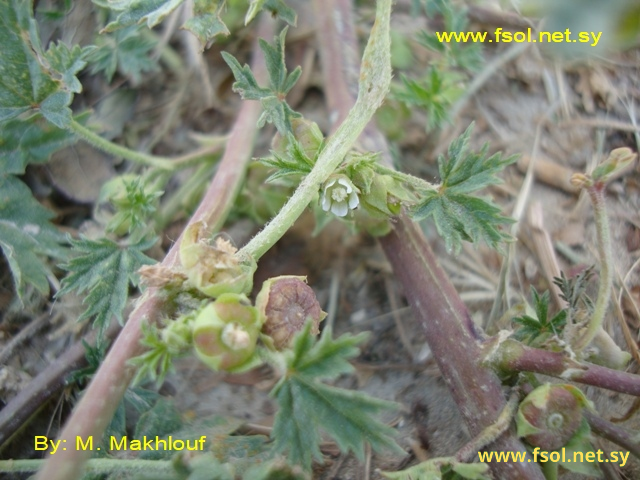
{"x": 458, "y": 215}
{"x": 206, "y": 23}
{"x": 276, "y": 109}
{"x": 277, "y": 8}
{"x": 134, "y": 12}
{"x": 67, "y": 62}
{"x": 104, "y": 269}
{"x": 306, "y": 405}
{"x": 294, "y": 161}
{"x": 436, "y": 92}
{"x": 26, "y": 235}
{"x": 25, "y": 82}
{"x": 532, "y": 328}
{"x": 127, "y": 51}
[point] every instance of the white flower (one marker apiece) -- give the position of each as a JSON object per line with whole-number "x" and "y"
{"x": 339, "y": 196}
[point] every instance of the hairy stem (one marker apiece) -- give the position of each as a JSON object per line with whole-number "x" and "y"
{"x": 492, "y": 432}
{"x": 95, "y": 410}
{"x": 98, "y": 466}
{"x": 375, "y": 78}
{"x": 164, "y": 163}
{"x": 614, "y": 433}
{"x": 444, "y": 318}
{"x": 596, "y": 194}
{"x": 508, "y": 356}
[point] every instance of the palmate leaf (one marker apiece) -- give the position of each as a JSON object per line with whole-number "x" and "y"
{"x": 205, "y": 24}
{"x": 127, "y": 51}
{"x": 104, "y": 269}
{"x": 276, "y": 8}
{"x": 134, "y": 12}
{"x": 26, "y": 236}
{"x": 531, "y": 328}
{"x": 276, "y": 109}
{"x": 307, "y": 405}
{"x": 458, "y": 215}
{"x": 25, "y": 83}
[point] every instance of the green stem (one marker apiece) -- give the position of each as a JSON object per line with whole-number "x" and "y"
{"x": 164, "y": 163}
{"x": 492, "y": 432}
{"x": 415, "y": 182}
{"x": 596, "y": 193}
{"x": 96, "y": 466}
{"x": 375, "y": 78}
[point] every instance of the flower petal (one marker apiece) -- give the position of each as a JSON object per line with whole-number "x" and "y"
{"x": 326, "y": 202}
{"x": 339, "y": 209}
{"x": 354, "y": 201}
{"x": 346, "y": 184}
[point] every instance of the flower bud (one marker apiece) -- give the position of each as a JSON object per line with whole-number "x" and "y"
{"x": 214, "y": 269}
{"x": 551, "y": 415}
{"x": 308, "y": 135}
{"x": 286, "y": 304}
{"x": 225, "y": 332}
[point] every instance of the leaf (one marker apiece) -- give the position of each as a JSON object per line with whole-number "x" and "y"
{"x": 206, "y": 23}
{"x": 306, "y": 405}
{"x": 25, "y": 83}
{"x": 160, "y": 420}
{"x": 134, "y": 12}
{"x": 458, "y": 215}
{"x": 104, "y": 269}
{"x": 26, "y": 236}
{"x": 277, "y": 8}
{"x": 32, "y": 140}
{"x": 67, "y": 62}
{"x": 126, "y": 51}
{"x": 276, "y": 109}
{"x": 436, "y": 92}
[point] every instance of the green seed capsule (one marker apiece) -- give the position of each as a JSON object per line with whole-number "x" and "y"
{"x": 225, "y": 332}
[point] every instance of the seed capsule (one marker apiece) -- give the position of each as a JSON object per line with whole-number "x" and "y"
{"x": 550, "y": 415}
{"x": 286, "y": 304}
{"x": 225, "y": 332}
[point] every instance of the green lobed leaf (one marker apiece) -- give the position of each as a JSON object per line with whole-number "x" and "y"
{"x": 25, "y": 83}
{"x": 276, "y": 8}
{"x": 32, "y": 140}
{"x": 67, "y": 62}
{"x": 206, "y": 23}
{"x": 458, "y": 215}
{"x": 276, "y": 109}
{"x": 307, "y": 405}
{"x": 104, "y": 269}
{"x": 134, "y": 12}
{"x": 126, "y": 51}
{"x": 26, "y": 236}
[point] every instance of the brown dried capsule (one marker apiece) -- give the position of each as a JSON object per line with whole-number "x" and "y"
{"x": 285, "y": 304}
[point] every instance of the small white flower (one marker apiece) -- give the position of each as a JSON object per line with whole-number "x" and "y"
{"x": 339, "y": 196}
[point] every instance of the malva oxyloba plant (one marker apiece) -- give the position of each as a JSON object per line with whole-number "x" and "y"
{"x": 196, "y": 301}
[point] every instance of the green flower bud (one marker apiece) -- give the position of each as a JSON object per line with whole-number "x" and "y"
{"x": 306, "y": 132}
{"x": 177, "y": 336}
{"x": 225, "y": 332}
{"x": 551, "y": 415}
{"x": 214, "y": 269}
{"x": 286, "y": 304}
